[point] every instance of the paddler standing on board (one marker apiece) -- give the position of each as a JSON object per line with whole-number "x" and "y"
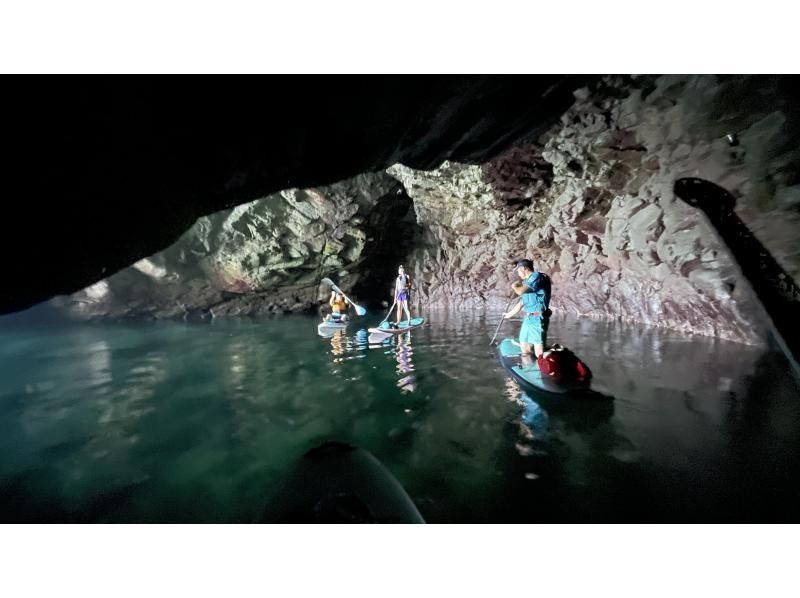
{"x": 402, "y": 285}
{"x": 534, "y": 294}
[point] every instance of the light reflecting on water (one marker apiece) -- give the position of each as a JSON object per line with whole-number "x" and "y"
{"x": 180, "y": 422}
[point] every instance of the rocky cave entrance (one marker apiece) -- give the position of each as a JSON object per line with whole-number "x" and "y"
{"x": 394, "y": 234}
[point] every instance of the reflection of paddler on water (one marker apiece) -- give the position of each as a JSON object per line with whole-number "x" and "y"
{"x": 534, "y": 421}
{"x": 405, "y": 368}
{"x": 339, "y": 343}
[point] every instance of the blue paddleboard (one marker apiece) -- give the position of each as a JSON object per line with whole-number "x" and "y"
{"x": 529, "y": 376}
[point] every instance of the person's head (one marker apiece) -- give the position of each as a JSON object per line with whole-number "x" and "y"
{"x": 523, "y": 268}
{"x": 400, "y": 270}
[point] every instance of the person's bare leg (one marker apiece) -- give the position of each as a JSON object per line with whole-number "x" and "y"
{"x": 538, "y": 350}
{"x": 526, "y": 352}
{"x": 408, "y": 313}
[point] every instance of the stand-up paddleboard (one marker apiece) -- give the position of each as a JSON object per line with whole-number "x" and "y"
{"x": 339, "y": 483}
{"x": 530, "y": 377}
{"x": 329, "y": 327}
{"x": 384, "y": 330}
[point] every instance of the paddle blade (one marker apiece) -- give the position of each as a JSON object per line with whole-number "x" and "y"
{"x": 360, "y": 310}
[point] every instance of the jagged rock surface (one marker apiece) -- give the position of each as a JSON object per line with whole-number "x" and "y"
{"x": 591, "y": 201}
{"x": 592, "y": 204}
{"x": 265, "y": 256}
{"x": 105, "y": 171}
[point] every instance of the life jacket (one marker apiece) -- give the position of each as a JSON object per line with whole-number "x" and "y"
{"x": 339, "y": 305}
{"x": 562, "y": 365}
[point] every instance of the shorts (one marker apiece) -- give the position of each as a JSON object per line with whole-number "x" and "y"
{"x": 402, "y": 295}
{"x": 534, "y": 330}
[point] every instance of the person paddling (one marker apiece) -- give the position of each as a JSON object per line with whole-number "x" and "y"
{"x": 534, "y": 292}
{"x": 402, "y": 284}
{"x": 339, "y": 304}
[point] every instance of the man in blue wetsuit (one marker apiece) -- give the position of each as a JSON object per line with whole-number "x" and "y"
{"x": 534, "y": 293}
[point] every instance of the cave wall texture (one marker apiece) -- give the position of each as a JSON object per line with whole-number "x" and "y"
{"x": 262, "y": 257}
{"x": 590, "y": 200}
{"x": 592, "y": 203}
{"x": 101, "y": 172}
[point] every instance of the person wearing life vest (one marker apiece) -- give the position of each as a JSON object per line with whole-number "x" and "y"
{"x": 339, "y": 305}
{"x": 534, "y": 293}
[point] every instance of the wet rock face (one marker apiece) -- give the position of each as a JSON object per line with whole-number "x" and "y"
{"x": 592, "y": 204}
{"x": 590, "y": 201}
{"x": 265, "y": 256}
{"x": 105, "y": 171}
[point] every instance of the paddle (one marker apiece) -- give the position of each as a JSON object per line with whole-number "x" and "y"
{"x": 378, "y": 336}
{"x": 388, "y": 314}
{"x": 502, "y": 320}
{"x": 359, "y": 310}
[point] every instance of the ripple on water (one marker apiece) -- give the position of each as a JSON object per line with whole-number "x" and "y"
{"x": 203, "y": 420}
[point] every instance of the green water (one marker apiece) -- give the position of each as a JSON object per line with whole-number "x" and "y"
{"x": 178, "y": 422}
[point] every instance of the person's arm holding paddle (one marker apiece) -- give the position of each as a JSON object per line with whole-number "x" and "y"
{"x": 513, "y": 312}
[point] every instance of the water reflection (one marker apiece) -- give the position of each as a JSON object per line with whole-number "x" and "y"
{"x": 348, "y": 347}
{"x": 399, "y": 346}
{"x": 344, "y": 349}
{"x": 338, "y": 345}
{"x": 533, "y": 423}
{"x": 173, "y": 422}
{"x": 405, "y": 367}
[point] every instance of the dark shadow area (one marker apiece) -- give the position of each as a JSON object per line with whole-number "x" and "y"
{"x": 107, "y": 170}
{"x": 520, "y": 168}
{"x": 775, "y": 288}
{"x": 393, "y": 228}
{"x": 339, "y": 483}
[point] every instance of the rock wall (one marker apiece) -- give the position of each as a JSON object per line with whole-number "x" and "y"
{"x": 118, "y": 168}
{"x": 591, "y": 202}
{"x": 265, "y": 256}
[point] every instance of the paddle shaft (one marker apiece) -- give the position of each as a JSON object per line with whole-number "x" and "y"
{"x": 502, "y": 320}
{"x": 389, "y": 313}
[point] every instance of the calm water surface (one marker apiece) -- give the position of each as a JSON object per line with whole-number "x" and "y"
{"x": 178, "y": 422}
